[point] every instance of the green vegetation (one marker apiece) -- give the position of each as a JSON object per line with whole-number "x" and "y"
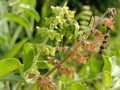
{"x": 59, "y": 45}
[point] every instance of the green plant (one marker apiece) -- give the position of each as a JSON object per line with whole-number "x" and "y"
{"x": 60, "y": 50}
{"x": 17, "y": 22}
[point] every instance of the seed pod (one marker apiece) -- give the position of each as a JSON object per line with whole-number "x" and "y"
{"x": 45, "y": 83}
{"x": 50, "y": 60}
{"x": 39, "y": 79}
{"x": 69, "y": 71}
{"x": 72, "y": 52}
{"x": 62, "y": 69}
{"x": 31, "y": 75}
{"x": 64, "y": 49}
{"x": 81, "y": 58}
{"x": 108, "y": 23}
{"x": 98, "y": 35}
{"x": 90, "y": 46}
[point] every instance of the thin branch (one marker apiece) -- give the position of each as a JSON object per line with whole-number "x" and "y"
{"x": 57, "y": 65}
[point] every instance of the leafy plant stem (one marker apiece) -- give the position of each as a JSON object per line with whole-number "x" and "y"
{"x": 61, "y": 62}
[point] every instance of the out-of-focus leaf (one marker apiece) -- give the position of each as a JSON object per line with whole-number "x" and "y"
{"x": 12, "y": 77}
{"x": 78, "y": 86}
{"x": 28, "y": 56}
{"x": 107, "y": 78}
{"x": 115, "y": 68}
{"x": 30, "y": 2}
{"x": 107, "y": 71}
{"x": 31, "y": 12}
{"x": 61, "y": 86}
{"x": 8, "y": 65}
{"x": 19, "y": 19}
{"x": 107, "y": 64}
{"x": 2, "y": 41}
{"x": 15, "y": 49}
{"x": 44, "y": 9}
{"x": 84, "y": 71}
{"x": 64, "y": 78}
{"x": 95, "y": 66}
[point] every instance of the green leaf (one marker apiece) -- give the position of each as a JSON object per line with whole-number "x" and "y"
{"x": 12, "y": 77}
{"x": 44, "y": 10}
{"x": 107, "y": 64}
{"x": 107, "y": 78}
{"x": 19, "y": 19}
{"x": 2, "y": 42}
{"x": 42, "y": 65}
{"x": 28, "y": 56}
{"x": 91, "y": 22}
{"x": 31, "y": 12}
{"x": 30, "y": 2}
{"x": 15, "y": 49}
{"x": 78, "y": 86}
{"x": 107, "y": 71}
{"x": 115, "y": 66}
{"x": 8, "y": 65}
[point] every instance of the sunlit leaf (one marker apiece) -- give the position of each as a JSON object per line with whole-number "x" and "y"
{"x": 107, "y": 64}
{"x": 42, "y": 65}
{"x": 107, "y": 78}
{"x": 28, "y": 55}
{"x": 8, "y": 65}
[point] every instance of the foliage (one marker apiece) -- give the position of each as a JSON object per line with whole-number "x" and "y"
{"x": 67, "y": 52}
